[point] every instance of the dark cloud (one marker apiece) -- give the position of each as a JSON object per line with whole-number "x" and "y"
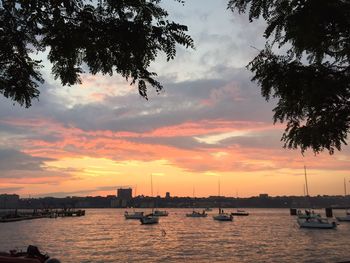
{"x": 11, "y": 159}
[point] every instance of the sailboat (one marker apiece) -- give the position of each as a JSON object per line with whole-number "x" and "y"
{"x": 308, "y": 212}
{"x": 345, "y": 218}
{"x": 222, "y": 216}
{"x": 196, "y": 213}
{"x": 310, "y": 219}
{"x": 150, "y": 219}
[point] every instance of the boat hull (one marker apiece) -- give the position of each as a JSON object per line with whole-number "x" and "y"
{"x": 221, "y": 217}
{"x": 316, "y": 225}
{"x": 196, "y": 215}
{"x": 149, "y": 220}
{"x": 343, "y": 218}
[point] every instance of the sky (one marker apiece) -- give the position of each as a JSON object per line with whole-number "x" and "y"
{"x": 209, "y": 124}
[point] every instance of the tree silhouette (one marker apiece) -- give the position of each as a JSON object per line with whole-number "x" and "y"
{"x": 122, "y": 36}
{"x": 311, "y": 80}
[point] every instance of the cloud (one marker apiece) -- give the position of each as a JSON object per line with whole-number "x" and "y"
{"x": 5, "y": 190}
{"x": 11, "y": 159}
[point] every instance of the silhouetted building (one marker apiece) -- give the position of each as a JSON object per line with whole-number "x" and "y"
{"x": 124, "y": 193}
{"x": 167, "y": 195}
{"x": 9, "y": 201}
{"x": 263, "y": 195}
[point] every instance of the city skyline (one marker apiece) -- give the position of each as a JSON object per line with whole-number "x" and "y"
{"x": 210, "y": 122}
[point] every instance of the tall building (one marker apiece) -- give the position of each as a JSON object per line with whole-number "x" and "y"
{"x": 124, "y": 193}
{"x": 124, "y": 197}
{"x": 167, "y": 195}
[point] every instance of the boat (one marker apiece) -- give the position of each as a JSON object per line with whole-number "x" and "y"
{"x": 149, "y": 219}
{"x": 208, "y": 209}
{"x": 32, "y": 255}
{"x": 194, "y": 212}
{"x": 160, "y": 213}
{"x": 197, "y": 214}
{"x": 345, "y": 218}
{"x": 240, "y": 213}
{"x": 133, "y": 215}
{"x": 222, "y": 216}
{"x": 316, "y": 222}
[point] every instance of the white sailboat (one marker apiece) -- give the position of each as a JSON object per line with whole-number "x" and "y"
{"x": 222, "y": 216}
{"x": 195, "y": 213}
{"x": 150, "y": 219}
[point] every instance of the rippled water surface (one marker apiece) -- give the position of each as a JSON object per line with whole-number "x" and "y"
{"x": 103, "y": 235}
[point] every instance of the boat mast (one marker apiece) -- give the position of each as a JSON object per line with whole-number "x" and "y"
{"x": 344, "y": 187}
{"x": 307, "y": 188}
{"x": 152, "y": 192}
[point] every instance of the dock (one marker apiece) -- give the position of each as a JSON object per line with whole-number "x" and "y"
{"x": 37, "y": 214}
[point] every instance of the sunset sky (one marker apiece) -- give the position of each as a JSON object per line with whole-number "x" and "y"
{"x": 210, "y": 123}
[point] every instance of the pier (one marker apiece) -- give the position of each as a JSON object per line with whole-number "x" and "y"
{"x": 36, "y": 214}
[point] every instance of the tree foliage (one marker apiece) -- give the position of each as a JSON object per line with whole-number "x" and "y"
{"x": 122, "y": 36}
{"x": 311, "y": 79}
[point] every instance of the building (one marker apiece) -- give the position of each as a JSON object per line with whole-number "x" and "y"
{"x": 9, "y": 201}
{"x": 167, "y": 195}
{"x": 124, "y": 193}
{"x": 124, "y": 198}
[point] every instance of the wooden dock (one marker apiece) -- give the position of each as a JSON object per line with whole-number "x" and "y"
{"x": 16, "y": 216}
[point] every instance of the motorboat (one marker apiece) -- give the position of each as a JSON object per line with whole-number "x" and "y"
{"x": 160, "y": 213}
{"x": 240, "y": 213}
{"x": 316, "y": 222}
{"x": 149, "y": 219}
{"x": 197, "y": 214}
{"x": 222, "y": 216}
{"x": 133, "y": 215}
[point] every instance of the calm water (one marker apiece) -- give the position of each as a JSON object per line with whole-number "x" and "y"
{"x": 267, "y": 235}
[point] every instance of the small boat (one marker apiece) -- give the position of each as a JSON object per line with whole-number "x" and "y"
{"x": 160, "y": 213}
{"x": 345, "y": 218}
{"x": 222, "y": 216}
{"x": 32, "y": 255}
{"x": 149, "y": 220}
{"x": 133, "y": 215}
{"x": 208, "y": 209}
{"x": 197, "y": 214}
{"x": 316, "y": 222}
{"x": 240, "y": 213}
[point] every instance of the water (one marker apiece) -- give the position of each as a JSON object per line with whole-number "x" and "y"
{"x": 103, "y": 235}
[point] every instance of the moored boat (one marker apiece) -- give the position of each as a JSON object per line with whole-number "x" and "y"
{"x": 149, "y": 220}
{"x": 197, "y": 214}
{"x": 222, "y": 216}
{"x": 133, "y": 215}
{"x": 343, "y": 218}
{"x": 240, "y": 213}
{"x": 160, "y": 213}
